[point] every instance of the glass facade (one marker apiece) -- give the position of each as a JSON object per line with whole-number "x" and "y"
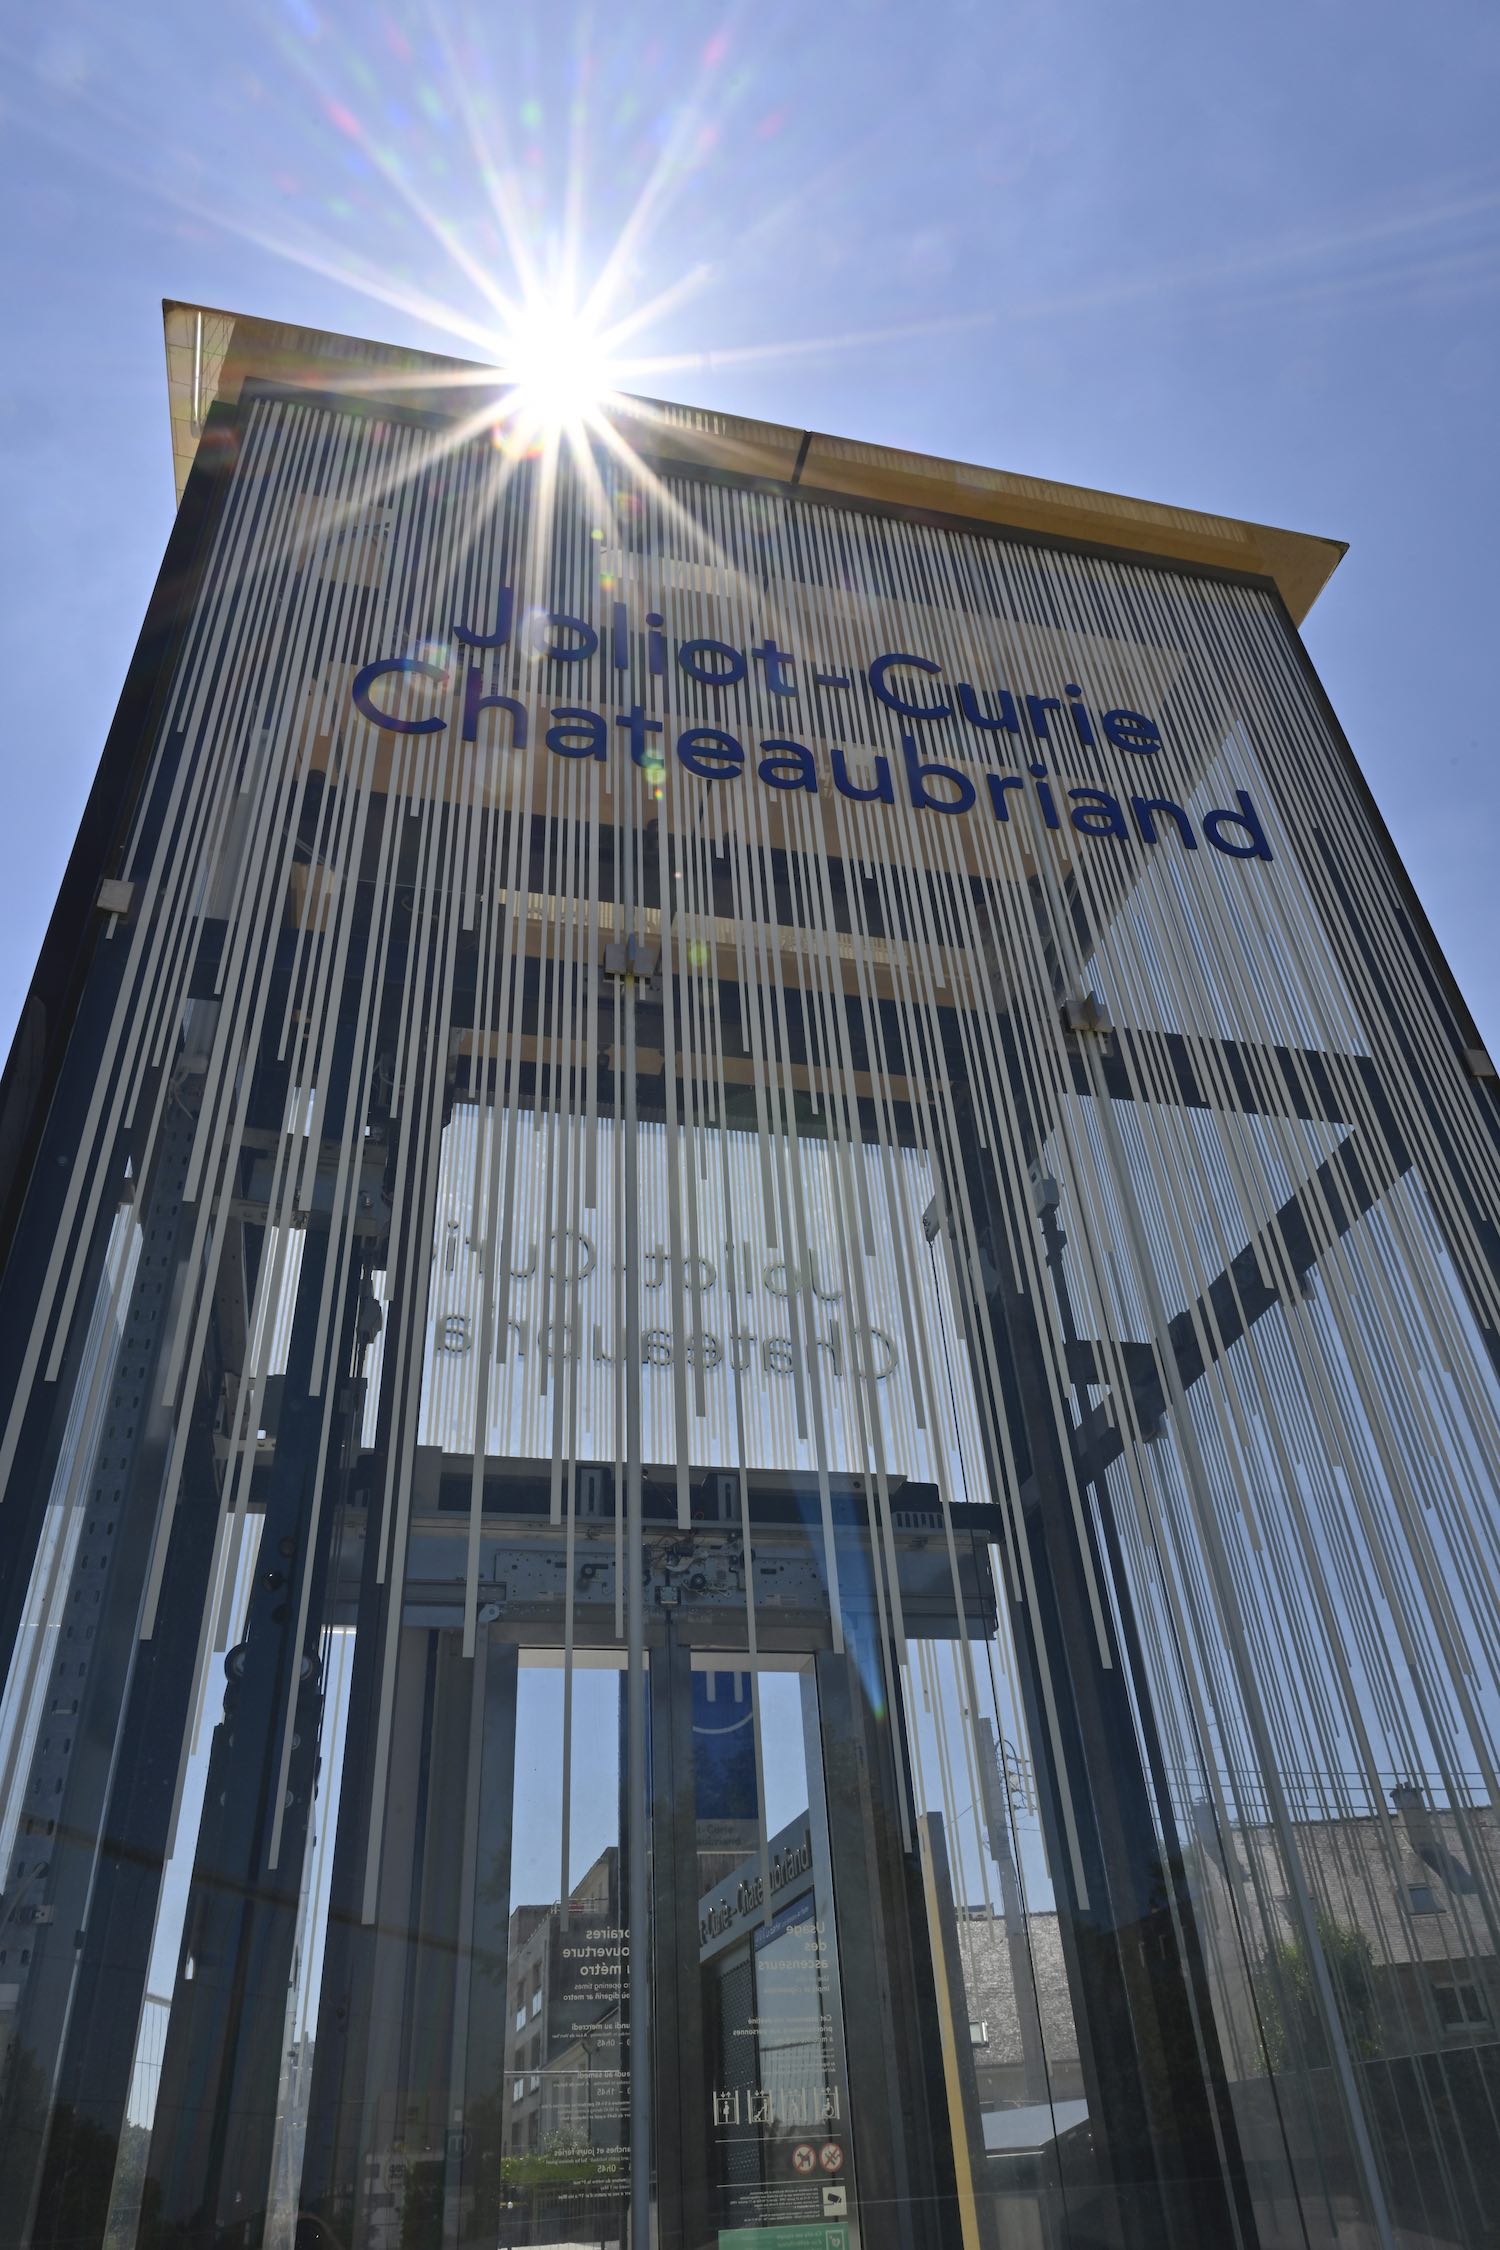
{"x": 749, "y": 1399}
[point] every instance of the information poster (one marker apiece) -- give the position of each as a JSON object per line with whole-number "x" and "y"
{"x": 779, "y": 2118}
{"x": 570, "y": 2182}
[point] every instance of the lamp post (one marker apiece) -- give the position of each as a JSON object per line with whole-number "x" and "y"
{"x": 1023, "y": 1975}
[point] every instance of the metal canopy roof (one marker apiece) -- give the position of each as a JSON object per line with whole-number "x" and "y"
{"x": 211, "y": 354}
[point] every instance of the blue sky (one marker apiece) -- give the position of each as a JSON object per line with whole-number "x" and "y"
{"x": 1242, "y": 259}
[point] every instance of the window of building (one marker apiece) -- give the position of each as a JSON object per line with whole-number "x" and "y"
{"x": 1460, "y": 2004}
{"x": 1424, "y": 1899}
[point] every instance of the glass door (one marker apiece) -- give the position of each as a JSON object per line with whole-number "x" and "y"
{"x": 780, "y": 2147}
{"x": 565, "y": 2115}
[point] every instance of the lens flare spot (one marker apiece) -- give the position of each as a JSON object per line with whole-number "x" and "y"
{"x": 557, "y": 367}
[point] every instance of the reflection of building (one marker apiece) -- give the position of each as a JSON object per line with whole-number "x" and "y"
{"x": 1401, "y": 1899}
{"x": 564, "y": 2043}
{"x": 995, "y": 2001}
{"x": 760, "y": 1127}
{"x": 533, "y": 1946}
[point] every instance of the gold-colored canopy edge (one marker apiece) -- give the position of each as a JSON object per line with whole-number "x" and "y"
{"x": 211, "y": 354}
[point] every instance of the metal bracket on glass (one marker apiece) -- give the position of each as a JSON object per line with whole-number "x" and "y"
{"x": 115, "y": 896}
{"x": 633, "y": 957}
{"x": 1046, "y": 1194}
{"x": 1087, "y": 1012}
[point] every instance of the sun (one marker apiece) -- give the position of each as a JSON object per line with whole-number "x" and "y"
{"x": 557, "y": 367}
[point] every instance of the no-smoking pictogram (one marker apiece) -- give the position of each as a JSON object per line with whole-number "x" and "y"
{"x": 831, "y": 2156}
{"x": 803, "y": 2158}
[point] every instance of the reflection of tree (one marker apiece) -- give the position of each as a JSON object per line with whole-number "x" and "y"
{"x": 130, "y": 2191}
{"x": 1286, "y": 1986}
{"x": 541, "y": 2189}
{"x": 84, "y": 2164}
{"x": 559, "y": 2162}
{"x": 422, "y": 2209}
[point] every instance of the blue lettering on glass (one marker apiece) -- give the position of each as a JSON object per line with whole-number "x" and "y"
{"x": 847, "y": 788}
{"x": 1145, "y": 809}
{"x": 1037, "y": 707}
{"x": 918, "y": 778}
{"x": 1096, "y": 813}
{"x": 897, "y": 678}
{"x": 710, "y": 753}
{"x": 879, "y": 676}
{"x": 1080, "y": 716}
{"x": 638, "y": 726}
{"x": 787, "y": 765}
{"x": 1214, "y": 824}
{"x": 778, "y": 666}
{"x": 504, "y": 611}
{"x": 974, "y": 711}
{"x": 1132, "y": 730}
{"x": 726, "y": 670}
{"x": 365, "y": 679}
{"x": 578, "y": 733}
{"x": 1044, "y": 796}
{"x": 475, "y": 701}
{"x": 558, "y": 621}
